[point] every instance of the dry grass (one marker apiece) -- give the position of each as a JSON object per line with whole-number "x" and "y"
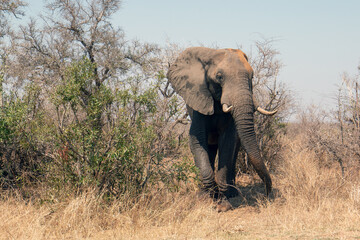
{"x": 311, "y": 202}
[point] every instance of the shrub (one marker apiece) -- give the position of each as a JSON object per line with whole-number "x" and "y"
{"x": 24, "y": 136}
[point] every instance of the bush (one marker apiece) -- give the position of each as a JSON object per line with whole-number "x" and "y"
{"x": 116, "y": 140}
{"x": 24, "y": 136}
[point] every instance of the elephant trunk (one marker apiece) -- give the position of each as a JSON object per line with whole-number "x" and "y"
{"x": 243, "y": 110}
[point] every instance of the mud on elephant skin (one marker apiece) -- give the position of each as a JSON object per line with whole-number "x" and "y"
{"x": 216, "y": 86}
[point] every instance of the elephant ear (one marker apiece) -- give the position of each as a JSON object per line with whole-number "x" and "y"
{"x": 187, "y": 77}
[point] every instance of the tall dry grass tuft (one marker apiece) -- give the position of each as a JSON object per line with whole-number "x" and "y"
{"x": 304, "y": 178}
{"x": 313, "y": 198}
{"x": 160, "y": 216}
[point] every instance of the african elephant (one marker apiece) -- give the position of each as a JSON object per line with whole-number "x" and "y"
{"x": 217, "y": 88}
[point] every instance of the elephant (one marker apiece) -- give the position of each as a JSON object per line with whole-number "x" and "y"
{"x": 216, "y": 85}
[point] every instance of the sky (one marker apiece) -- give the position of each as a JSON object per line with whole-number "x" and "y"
{"x": 318, "y": 40}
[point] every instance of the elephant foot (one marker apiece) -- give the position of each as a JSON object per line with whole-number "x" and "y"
{"x": 223, "y": 206}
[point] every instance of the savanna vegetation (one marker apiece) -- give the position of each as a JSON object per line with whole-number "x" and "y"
{"x": 93, "y": 141}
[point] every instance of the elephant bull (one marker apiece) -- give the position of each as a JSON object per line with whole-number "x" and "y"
{"x": 216, "y": 86}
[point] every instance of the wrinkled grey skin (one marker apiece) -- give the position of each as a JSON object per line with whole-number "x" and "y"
{"x": 207, "y": 78}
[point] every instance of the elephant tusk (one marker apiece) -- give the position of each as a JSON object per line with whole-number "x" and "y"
{"x": 261, "y": 110}
{"x": 265, "y": 112}
{"x": 226, "y": 108}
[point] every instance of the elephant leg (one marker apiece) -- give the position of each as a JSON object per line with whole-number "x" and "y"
{"x": 232, "y": 190}
{"x": 204, "y": 155}
{"x": 228, "y": 149}
{"x": 212, "y": 155}
{"x": 213, "y": 139}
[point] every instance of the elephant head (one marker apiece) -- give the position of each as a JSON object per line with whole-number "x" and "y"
{"x": 206, "y": 78}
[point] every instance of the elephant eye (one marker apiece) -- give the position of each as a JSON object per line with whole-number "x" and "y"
{"x": 219, "y": 76}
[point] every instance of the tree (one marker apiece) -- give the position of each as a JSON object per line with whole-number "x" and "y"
{"x": 96, "y": 95}
{"x": 9, "y": 7}
{"x": 348, "y": 118}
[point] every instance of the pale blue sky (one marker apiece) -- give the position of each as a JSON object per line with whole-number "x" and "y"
{"x": 318, "y": 39}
